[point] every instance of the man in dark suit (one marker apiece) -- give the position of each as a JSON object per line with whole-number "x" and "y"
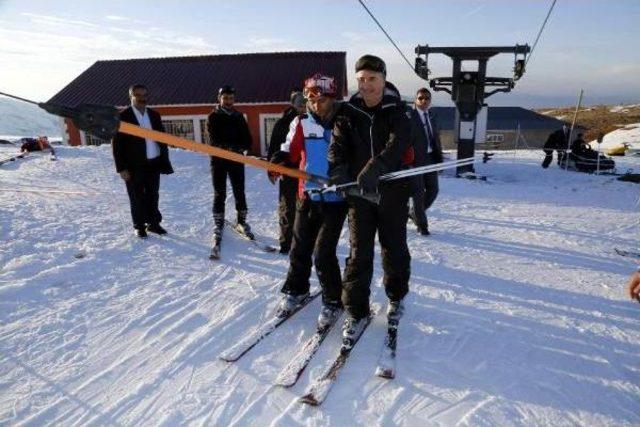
{"x": 140, "y": 162}
{"x": 427, "y": 151}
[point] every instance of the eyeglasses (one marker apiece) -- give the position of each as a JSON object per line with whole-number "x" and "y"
{"x": 422, "y": 98}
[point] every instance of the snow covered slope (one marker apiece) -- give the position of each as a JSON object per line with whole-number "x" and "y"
{"x": 516, "y": 316}
{"x": 12, "y": 120}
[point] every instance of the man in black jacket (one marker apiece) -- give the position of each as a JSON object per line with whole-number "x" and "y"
{"x": 140, "y": 162}
{"x": 288, "y": 186}
{"x": 228, "y": 130}
{"x": 428, "y": 151}
{"x": 371, "y": 137}
{"x": 559, "y": 141}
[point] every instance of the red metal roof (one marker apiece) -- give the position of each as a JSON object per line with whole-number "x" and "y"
{"x": 257, "y": 77}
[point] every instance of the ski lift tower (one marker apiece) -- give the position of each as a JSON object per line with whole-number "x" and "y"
{"x": 467, "y": 88}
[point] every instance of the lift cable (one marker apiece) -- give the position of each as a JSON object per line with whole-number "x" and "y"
{"x": 387, "y": 34}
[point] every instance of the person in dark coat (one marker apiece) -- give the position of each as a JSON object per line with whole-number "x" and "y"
{"x": 228, "y": 130}
{"x": 557, "y": 140}
{"x": 371, "y": 137}
{"x": 427, "y": 151}
{"x": 288, "y": 186}
{"x": 140, "y": 162}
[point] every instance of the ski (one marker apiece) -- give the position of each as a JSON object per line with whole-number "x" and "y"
{"x": 250, "y": 238}
{"x": 318, "y": 390}
{"x": 291, "y": 373}
{"x": 629, "y": 254}
{"x": 13, "y": 158}
{"x": 260, "y": 332}
{"x": 386, "y": 367}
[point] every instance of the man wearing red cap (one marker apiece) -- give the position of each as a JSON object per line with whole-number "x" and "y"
{"x": 319, "y": 218}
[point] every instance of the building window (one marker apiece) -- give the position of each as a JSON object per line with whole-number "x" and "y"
{"x": 495, "y": 138}
{"x": 267, "y": 122}
{"x": 204, "y": 132}
{"x": 90, "y": 139}
{"x": 180, "y": 128}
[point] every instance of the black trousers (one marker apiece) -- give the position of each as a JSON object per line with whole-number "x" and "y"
{"x": 316, "y": 232}
{"x": 389, "y": 220}
{"x": 424, "y": 191}
{"x": 143, "y": 188}
{"x": 220, "y": 169}
{"x": 288, "y": 189}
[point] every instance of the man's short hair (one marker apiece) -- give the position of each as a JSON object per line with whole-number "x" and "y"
{"x": 136, "y": 86}
{"x": 423, "y": 90}
{"x": 371, "y": 63}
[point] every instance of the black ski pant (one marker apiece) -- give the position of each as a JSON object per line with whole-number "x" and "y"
{"x": 288, "y": 190}
{"x": 316, "y": 232}
{"x": 548, "y": 158}
{"x": 143, "y": 188}
{"x": 220, "y": 169}
{"x": 424, "y": 191}
{"x": 389, "y": 220}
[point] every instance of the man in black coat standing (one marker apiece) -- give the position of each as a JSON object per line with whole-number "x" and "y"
{"x": 427, "y": 151}
{"x": 228, "y": 130}
{"x": 140, "y": 162}
{"x": 288, "y": 186}
{"x": 559, "y": 141}
{"x": 371, "y": 137}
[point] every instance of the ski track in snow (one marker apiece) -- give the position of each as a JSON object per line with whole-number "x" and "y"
{"x": 516, "y": 314}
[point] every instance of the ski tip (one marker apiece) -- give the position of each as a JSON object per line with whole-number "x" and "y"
{"x": 227, "y": 358}
{"x": 284, "y": 383}
{"x": 309, "y": 399}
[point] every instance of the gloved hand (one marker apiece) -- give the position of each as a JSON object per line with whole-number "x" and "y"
{"x": 339, "y": 175}
{"x": 273, "y": 177}
{"x": 369, "y": 176}
{"x": 280, "y": 158}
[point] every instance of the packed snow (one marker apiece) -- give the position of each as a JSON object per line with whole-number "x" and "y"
{"x": 517, "y": 313}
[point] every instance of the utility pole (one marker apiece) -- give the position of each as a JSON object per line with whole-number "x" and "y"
{"x": 467, "y": 88}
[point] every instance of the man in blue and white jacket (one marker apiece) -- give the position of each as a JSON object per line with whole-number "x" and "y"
{"x": 319, "y": 218}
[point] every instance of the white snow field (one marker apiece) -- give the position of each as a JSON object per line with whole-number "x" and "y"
{"x": 517, "y": 313}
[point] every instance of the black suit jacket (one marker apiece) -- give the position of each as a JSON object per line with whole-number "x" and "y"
{"x": 130, "y": 152}
{"x": 419, "y": 139}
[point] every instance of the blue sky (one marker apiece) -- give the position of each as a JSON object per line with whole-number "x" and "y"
{"x": 587, "y": 44}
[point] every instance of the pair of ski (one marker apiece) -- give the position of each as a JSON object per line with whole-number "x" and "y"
{"x": 290, "y": 374}
{"x": 217, "y": 244}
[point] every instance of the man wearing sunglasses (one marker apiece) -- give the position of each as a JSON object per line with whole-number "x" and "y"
{"x": 427, "y": 151}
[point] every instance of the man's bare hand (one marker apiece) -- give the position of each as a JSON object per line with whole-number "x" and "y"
{"x": 125, "y": 175}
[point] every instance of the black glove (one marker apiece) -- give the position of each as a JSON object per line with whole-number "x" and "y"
{"x": 280, "y": 158}
{"x": 369, "y": 176}
{"x": 339, "y": 175}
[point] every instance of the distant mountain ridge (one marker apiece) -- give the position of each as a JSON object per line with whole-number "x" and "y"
{"x": 22, "y": 119}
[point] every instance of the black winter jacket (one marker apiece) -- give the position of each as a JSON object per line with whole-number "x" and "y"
{"x": 228, "y": 130}
{"x": 361, "y": 134}
{"x": 280, "y": 131}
